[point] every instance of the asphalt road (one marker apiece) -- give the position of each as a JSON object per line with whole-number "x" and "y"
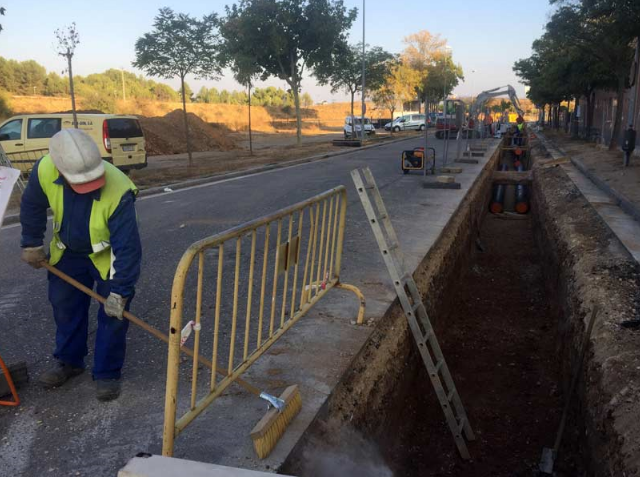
{"x": 67, "y": 432}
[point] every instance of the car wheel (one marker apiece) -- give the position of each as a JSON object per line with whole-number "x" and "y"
{"x": 421, "y": 128}
{"x": 396, "y": 129}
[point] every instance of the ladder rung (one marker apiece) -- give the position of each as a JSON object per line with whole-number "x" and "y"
{"x": 416, "y": 306}
{"x": 383, "y": 216}
{"x": 451, "y": 394}
{"x": 439, "y": 365}
{"x": 369, "y": 187}
{"x": 428, "y": 335}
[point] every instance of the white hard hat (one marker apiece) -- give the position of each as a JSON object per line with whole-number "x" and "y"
{"x": 77, "y": 158}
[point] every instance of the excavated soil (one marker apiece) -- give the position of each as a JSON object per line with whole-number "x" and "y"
{"x": 165, "y": 135}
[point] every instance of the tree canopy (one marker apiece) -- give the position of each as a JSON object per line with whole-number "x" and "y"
{"x": 180, "y": 45}
{"x": 287, "y": 37}
{"x": 586, "y": 46}
{"x": 346, "y": 73}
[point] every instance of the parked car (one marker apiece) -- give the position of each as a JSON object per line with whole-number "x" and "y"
{"x": 407, "y": 122}
{"x": 349, "y": 123}
{"x": 25, "y": 138}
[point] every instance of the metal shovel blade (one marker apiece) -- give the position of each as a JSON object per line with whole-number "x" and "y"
{"x": 546, "y": 461}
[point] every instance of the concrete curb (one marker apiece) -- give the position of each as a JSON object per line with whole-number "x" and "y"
{"x": 628, "y": 207}
{"x": 15, "y": 218}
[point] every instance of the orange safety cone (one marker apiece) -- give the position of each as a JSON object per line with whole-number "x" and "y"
{"x": 12, "y": 387}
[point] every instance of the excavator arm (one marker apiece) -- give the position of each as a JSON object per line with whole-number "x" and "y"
{"x": 483, "y": 97}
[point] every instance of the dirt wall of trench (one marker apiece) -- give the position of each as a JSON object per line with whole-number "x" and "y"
{"x": 585, "y": 265}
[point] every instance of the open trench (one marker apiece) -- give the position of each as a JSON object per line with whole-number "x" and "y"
{"x": 499, "y": 343}
{"x": 494, "y": 289}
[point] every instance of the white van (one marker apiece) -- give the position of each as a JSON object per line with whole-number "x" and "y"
{"x": 25, "y": 138}
{"x": 348, "y": 126}
{"x": 408, "y": 122}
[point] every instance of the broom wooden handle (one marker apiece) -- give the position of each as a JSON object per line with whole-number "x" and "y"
{"x": 146, "y": 327}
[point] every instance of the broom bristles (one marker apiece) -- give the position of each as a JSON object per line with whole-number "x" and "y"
{"x": 272, "y": 426}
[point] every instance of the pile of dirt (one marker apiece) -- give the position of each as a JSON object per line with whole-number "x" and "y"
{"x": 165, "y": 135}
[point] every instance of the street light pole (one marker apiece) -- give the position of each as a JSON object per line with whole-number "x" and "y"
{"x": 364, "y": 108}
{"x": 444, "y": 105}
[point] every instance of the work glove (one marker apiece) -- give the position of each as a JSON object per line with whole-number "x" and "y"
{"x": 34, "y": 256}
{"x": 114, "y": 306}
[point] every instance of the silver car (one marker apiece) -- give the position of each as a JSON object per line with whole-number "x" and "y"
{"x": 408, "y": 122}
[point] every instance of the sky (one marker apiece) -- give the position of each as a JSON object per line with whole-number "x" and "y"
{"x": 486, "y": 37}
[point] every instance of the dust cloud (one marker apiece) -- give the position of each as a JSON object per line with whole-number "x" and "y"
{"x": 348, "y": 454}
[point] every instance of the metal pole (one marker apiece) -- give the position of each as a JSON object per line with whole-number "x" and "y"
{"x": 362, "y": 131}
{"x": 426, "y": 133}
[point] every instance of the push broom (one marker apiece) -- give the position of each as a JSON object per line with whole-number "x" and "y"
{"x": 270, "y": 428}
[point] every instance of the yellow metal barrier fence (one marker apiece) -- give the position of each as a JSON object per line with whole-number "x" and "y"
{"x": 24, "y": 161}
{"x": 273, "y": 285}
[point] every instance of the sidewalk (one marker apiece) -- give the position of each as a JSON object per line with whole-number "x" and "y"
{"x": 604, "y": 168}
{"x": 600, "y": 177}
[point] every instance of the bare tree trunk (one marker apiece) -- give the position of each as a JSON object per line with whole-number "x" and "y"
{"x": 613, "y": 144}
{"x": 186, "y": 121}
{"x": 250, "y": 136}
{"x": 296, "y": 99}
{"x": 73, "y": 95}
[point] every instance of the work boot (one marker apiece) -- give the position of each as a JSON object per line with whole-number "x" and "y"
{"x": 59, "y": 374}
{"x": 107, "y": 389}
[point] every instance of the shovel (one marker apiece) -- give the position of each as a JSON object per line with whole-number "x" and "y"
{"x": 549, "y": 454}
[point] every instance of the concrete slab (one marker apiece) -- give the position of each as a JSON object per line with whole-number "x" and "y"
{"x": 159, "y": 466}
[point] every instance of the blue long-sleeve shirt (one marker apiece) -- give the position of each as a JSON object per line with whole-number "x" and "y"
{"x": 74, "y": 231}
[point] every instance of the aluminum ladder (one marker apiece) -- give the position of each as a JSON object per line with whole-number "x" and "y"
{"x": 414, "y": 310}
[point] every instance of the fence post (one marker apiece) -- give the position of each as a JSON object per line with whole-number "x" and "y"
{"x": 341, "y": 227}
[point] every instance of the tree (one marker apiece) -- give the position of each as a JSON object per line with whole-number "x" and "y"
{"x": 180, "y": 45}
{"x": 238, "y": 54}
{"x": 600, "y": 29}
{"x": 54, "y": 85}
{"x": 442, "y": 77}
{"x": 2, "y": 11}
{"x": 68, "y": 40}
{"x": 398, "y": 87}
{"x": 346, "y": 73}
{"x": 307, "y": 101}
{"x": 286, "y": 37}
{"x": 421, "y": 52}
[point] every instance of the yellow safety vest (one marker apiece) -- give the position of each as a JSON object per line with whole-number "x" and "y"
{"x": 116, "y": 185}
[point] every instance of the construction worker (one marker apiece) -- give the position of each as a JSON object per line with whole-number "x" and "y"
{"x": 519, "y": 132}
{"x": 95, "y": 241}
{"x": 488, "y": 123}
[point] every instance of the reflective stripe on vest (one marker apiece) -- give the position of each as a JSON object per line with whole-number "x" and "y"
{"x": 116, "y": 185}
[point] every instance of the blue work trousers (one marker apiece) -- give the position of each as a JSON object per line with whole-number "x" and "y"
{"x": 71, "y": 313}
